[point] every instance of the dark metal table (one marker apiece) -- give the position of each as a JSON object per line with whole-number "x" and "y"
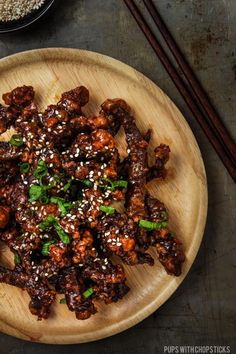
{"x": 202, "y": 310}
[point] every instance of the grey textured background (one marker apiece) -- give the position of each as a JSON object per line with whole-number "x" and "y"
{"x": 202, "y": 310}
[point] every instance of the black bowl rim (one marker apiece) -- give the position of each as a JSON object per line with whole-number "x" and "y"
{"x": 23, "y": 23}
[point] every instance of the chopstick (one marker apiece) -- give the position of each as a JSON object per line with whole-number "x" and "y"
{"x": 192, "y": 80}
{"x": 219, "y": 145}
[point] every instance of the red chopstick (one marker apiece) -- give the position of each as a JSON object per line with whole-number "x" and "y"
{"x": 218, "y": 144}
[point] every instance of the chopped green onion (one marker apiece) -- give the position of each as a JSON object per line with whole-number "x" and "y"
{"x": 55, "y": 179}
{"x": 107, "y": 209}
{"x": 48, "y": 222}
{"x": 17, "y": 259}
{"x": 24, "y": 167}
{"x": 62, "y": 234}
{"x": 63, "y": 301}
{"x": 108, "y": 183}
{"x": 16, "y": 140}
{"x": 112, "y": 184}
{"x": 36, "y": 192}
{"x": 87, "y": 183}
{"x": 88, "y": 293}
{"x": 45, "y": 248}
{"x": 53, "y": 221}
{"x": 120, "y": 183}
{"x": 41, "y": 170}
{"x": 44, "y": 199}
{"x": 63, "y": 205}
{"x": 149, "y": 225}
{"x": 67, "y": 185}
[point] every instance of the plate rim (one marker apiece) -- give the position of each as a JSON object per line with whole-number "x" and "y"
{"x": 174, "y": 283}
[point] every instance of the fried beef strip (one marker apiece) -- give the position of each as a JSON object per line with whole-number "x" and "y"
{"x": 158, "y": 170}
{"x": 118, "y": 234}
{"x": 41, "y": 296}
{"x": 108, "y": 279}
{"x": 169, "y": 248}
{"x": 73, "y": 287}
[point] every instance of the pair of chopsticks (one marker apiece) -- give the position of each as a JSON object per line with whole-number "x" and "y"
{"x": 193, "y": 93}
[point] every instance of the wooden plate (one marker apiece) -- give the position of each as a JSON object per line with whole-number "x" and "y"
{"x": 52, "y": 71}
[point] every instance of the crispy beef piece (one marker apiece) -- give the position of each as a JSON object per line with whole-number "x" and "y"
{"x": 169, "y": 248}
{"x": 4, "y": 216}
{"x": 119, "y": 235}
{"x": 5, "y": 193}
{"x": 58, "y": 254}
{"x": 88, "y": 124}
{"x": 73, "y": 289}
{"x": 56, "y": 124}
{"x": 8, "y": 115}
{"x": 19, "y": 195}
{"x": 162, "y": 153}
{"x": 137, "y": 169}
{"x": 98, "y": 144}
{"x": 73, "y": 100}
{"x": 82, "y": 246}
{"x": 19, "y": 97}
{"x": 41, "y": 296}
{"x": 113, "y": 110}
{"x": 9, "y": 152}
{"x": 108, "y": 279}
{"x": 8, "y": 170}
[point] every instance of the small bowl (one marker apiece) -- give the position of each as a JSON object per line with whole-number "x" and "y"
{"x": 15, "y": 25}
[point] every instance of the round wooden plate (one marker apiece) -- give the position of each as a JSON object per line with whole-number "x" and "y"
{"x": 52, "y": 71}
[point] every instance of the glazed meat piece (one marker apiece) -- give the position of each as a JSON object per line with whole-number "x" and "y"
{"x": 4, "y": 216}
{"x": 108, "y": 279}
{"x": 83, "y": 247}
{"x": 73, "y": 100}
{"x": 113, "y": 110}
{"x": 137, "y": 149}
{"x": 74, "y": 288}
{"x": 9, "y": 152}
{"x": 19, "y": 97}
{"x": 169, "y": 248}
{"x": 8, "y": 170}
{"x": 162, "y": 154}
{"x": 85, "y": 124}
{"x": 8, "y": 115}
{"x": 119, "y": 235}
{"x": 41, "y": 296}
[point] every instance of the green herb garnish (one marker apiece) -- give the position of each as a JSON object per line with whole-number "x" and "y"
{"x": 87, "y": 183}
{"x": 88, "y": 293}
{"x": 107, "y": 209}
{"x": 48, "y": 222}
{"x": 41, "y": 170}
{"x": 16, "y": 140}
{"x": 63, "y": 301}
{"x": 107, "y": 183}
{"x": 17, "y": 259}
{"x": 45, "y": 247}
{"x": 67, "y": 185}
{"x": 149, "y": 225}
{"x": 63, "y": 205}
{"x": 36, "y": 192}
{"x": 62, "y": 234}
{"x": 24, "y": 167}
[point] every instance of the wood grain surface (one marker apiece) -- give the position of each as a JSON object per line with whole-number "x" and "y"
{"x": 52, "y": 71}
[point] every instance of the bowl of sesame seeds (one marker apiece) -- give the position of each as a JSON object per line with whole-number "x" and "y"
{"x": 18, "y": 14}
